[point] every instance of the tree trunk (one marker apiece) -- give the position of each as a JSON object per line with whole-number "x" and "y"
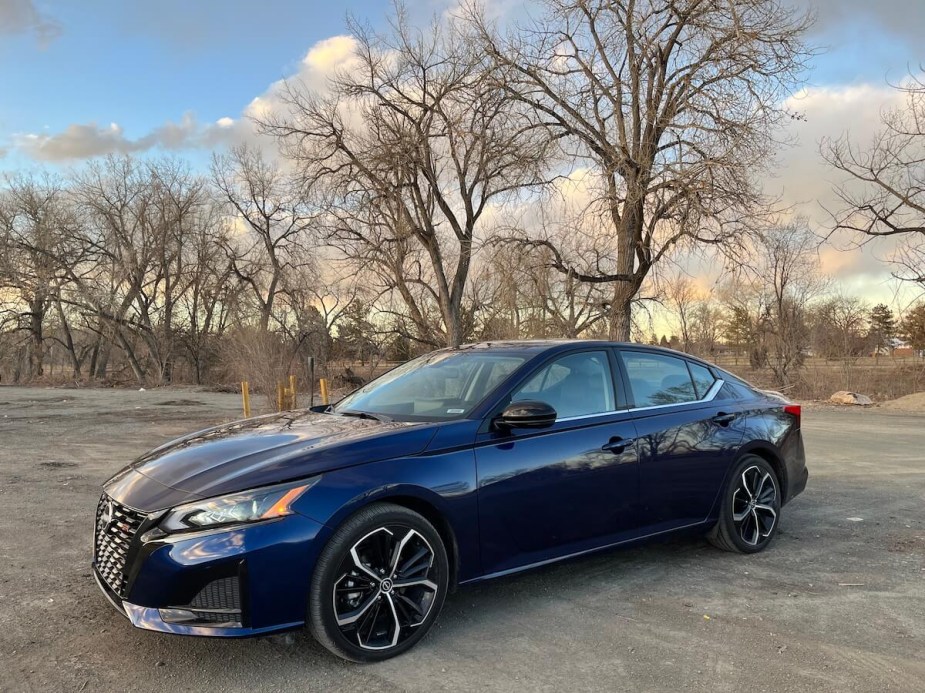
{"x": 453, "y": 328}
{"x": 69, "y": 340}
{"x": 130, "y": 355}
{"x": 102, "y": 359}
{"x": 36, "y": 338}
{"x": 621, "y": 312}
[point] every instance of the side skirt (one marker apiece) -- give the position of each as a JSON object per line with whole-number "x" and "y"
{"x": 705, "y": 524}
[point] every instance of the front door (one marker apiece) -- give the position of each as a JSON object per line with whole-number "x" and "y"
{"x": 565, "y": 489}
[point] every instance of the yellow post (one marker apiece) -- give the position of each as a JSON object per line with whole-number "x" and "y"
{"x": 246, "y": 398}
{"x": 279, "y": 396}
{"x": 323, "y": 384}
{"x": 292, "y": 392}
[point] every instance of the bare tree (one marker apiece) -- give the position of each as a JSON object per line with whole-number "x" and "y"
{"x": 673, "y": 105}
{"x": 274, "y": 220}
{"x": 139, "y": 217}
{"x": 883, "y": 195}
{"x": 208, "y": 296}
{"x": 681, "y": 298}
{"x": 769, "y": 298}
{"x": 36, "y": 251}
{"x": 412, "y": 145}
{"x": 707, "y": 322}
{"x": 529, "y": 298}
{"x": 839, "y": 327}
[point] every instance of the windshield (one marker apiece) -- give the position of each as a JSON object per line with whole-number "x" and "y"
{"x": 439, "y": 386}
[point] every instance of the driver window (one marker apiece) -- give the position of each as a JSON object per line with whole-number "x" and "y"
{"x": 574, "y": 385}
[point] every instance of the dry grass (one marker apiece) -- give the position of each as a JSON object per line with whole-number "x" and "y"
{"x": 261, "y": 358}
{"x": 881, "y": 379}
{"x": 265, "y": 360}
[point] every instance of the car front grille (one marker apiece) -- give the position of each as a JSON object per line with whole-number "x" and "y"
{"x": 116, "y": 526}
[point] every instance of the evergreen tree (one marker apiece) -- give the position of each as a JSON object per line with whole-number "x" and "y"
{"x": 913, "y": 327}
{"x": 882, "y": 327}
{"x": 354, "y": 332}
{"x": 739, "y": 332}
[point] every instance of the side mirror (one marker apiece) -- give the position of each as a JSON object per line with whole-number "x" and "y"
{"x": 526, "y": 414}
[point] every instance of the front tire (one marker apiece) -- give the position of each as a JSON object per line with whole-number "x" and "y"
{"x": 750, "y": 513}
{"x": 379, "y": 584}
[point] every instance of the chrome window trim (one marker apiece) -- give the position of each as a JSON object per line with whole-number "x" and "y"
{"x": 709, "y": 397}
{"x": 591, "y": 416}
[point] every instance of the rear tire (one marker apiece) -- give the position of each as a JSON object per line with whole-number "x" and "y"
{"x": 750, "y": 512}
{"x": 379, "y": 584}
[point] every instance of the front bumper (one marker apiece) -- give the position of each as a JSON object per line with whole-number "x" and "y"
{"x": 270, "y": 564}
{"x": 150, "y": 619}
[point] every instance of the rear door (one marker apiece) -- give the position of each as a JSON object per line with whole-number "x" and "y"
{"x": 545, "y": 493}
{"x": 687, "y": 438}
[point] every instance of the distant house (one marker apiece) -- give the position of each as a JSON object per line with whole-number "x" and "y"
{"x": 897, "y": 348}
{"x": 906, "y": 351}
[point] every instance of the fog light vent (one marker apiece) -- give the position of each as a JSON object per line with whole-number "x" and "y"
{"x": 218, "y": 594}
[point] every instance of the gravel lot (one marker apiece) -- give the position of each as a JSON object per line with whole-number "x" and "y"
{"x": 836, "y": 604}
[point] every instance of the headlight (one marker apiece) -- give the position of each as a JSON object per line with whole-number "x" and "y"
{"x": 248, "y": 506}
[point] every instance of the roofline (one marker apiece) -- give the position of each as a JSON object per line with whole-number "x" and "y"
{"x": 542, "y": 346}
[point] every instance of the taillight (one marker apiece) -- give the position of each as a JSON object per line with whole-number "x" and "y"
{"x": 795, "y": 410}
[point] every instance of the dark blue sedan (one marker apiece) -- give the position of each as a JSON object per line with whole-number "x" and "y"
{"x": 462, "y": 465}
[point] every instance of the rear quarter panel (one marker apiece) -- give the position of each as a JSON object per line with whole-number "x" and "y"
{"x": 771, "y": 430}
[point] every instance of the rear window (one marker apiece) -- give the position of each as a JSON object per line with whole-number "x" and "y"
{"x": 703, "y": 379}
{"x": 733, "y": 388}
{"x": 657, "y": 379}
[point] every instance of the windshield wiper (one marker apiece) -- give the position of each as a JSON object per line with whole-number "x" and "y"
{"x": 381, "y": 418}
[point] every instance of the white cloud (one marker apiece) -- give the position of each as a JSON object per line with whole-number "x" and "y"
{"x": 329, "y": 54}
{"x": 86, "y": 140}
{"x": 806, "y": 182}
{"x": 22, "y": 17}
{"x": 901, "y": 20}
{"x": 321, "y": 62}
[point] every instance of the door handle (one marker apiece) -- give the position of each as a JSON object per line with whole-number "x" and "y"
{"x": 723, "y": 419}
{"x": 617, "y": 445}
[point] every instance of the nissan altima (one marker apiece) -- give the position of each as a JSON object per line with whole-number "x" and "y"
{"x": 466, "y": 464}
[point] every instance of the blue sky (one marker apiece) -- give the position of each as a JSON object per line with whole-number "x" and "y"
{"x": 143, "y": 64}
{"x": 88, "y": 77}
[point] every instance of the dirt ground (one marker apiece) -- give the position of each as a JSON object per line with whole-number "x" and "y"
{"x": 914, "y": 402}
{"x": 836, "y": 604}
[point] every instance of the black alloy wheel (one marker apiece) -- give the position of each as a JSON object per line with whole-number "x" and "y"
{"x": 751, "y": 508}
{"x": 379, "y": 584}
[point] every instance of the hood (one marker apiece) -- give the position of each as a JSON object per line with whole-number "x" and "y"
{"x": 260, "y": 451}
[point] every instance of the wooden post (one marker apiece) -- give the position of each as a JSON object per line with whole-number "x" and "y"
{"x": 279, "y": 396}
{"x": 292, "y": 392}
{"x": 311, "y": 381}
{"x": 323, "y": 384}
{"x": 246, "y": 398}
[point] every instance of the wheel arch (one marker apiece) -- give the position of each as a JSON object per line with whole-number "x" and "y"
{"x": 433, "y": 515}
{"x": 420, "y": 501}
{"x": 769, "y": 454}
